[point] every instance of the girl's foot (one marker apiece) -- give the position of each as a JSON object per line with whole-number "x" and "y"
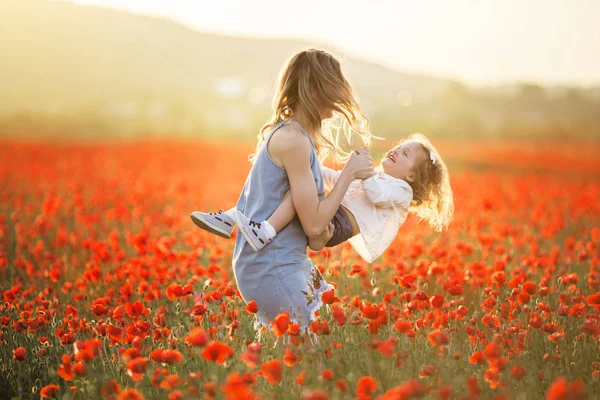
{"x": 218, "y": 223}
{"x": 257, "y": 234}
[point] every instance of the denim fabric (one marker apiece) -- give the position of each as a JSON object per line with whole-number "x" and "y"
{"x": 279, "y": 277}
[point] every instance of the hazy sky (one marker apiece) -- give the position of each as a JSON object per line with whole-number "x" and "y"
{"x": 479, "y": 41}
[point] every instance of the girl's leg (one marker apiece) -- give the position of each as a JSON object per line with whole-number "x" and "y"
{"x": 229, "y": 212}
{"x": 259, "y": 234}
{"x": 283, "y": 214}
{"x": 219, "y": 223}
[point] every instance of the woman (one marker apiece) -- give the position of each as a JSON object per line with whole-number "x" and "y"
{"x": 281, "y": 278}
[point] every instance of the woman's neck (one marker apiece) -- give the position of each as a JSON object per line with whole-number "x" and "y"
{"x": 303, "y": 120}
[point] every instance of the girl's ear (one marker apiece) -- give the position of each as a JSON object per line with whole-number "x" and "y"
{"x": 410, "y": 177}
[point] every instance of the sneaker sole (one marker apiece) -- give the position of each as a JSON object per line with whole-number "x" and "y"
{"x": 247, "y": 235}
{"x": 210, "y": 228}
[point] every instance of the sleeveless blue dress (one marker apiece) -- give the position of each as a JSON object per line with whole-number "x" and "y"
{"x": 280, "y": 277}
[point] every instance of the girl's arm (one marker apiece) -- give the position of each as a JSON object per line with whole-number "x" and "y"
{"x": 293, "y": 150}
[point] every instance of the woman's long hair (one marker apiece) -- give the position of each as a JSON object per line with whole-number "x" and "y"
{"x": 318, "y": 70}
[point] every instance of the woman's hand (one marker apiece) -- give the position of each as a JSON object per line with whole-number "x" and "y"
{"x": 291, "y": 149}
{"x": 317, "y": 243}
{"x": 360, "y": 164}
{"x": 363, "y": 151}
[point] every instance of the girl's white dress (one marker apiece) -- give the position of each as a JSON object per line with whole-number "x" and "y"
{"x": 379, "y": 204}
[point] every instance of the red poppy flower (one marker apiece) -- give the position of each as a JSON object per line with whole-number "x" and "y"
{"x": 594, "y": 299}
{"x": 252, "y": 307}
{"x": 111, "y": 387}
{"x": 136, "y": 367}
{"x": 170, "y": 356}
{"x": 80, "y": 369}
{"x": 114, "y": 332}
{"x": 436, "y": 301}
{"x": 370, "y": 311}
{"x": 437, "y": 338}
{"x": 174, "y": 291}
{"x": 251, "y": 357}
{"x": 329, "y": 297}
{"x": 64, "y": 370}
{"x": 86, "y": 351}
{"x": 518, "y": 372}
{"x": 477, "y": 358}
{"x": 341, "y": 385}
{"x": 316, "y": 395}
{"x": 301, "y": 377}
{"x": 237, "y": 388}
{"x": 455, "y": 290}
{"x": 271, "y": 370}
{"x": 563, "y": 390}
{"x": 19, "y": 354}
{"x": 280, "y": 324}
{"x": 387, "y": 347}
{"x": 293, "y": 329}
{"x": 217, "y": 352}
{"x": 99, "y": 309}
{"x": 327, "y": 375}
{"x": 130, "y": 394}
{"x": 491, "y": 321}
{"x": 473, "y": 387}
{"x": 289, "y": 358}
{"x": 366, "y": 386}
{"x": 197, "y": 337}
{"x": 493, "y": 351}
{"x": 529, "y": 287}
{"x": 49, "y": 391}
{"x": 403, "y": 326}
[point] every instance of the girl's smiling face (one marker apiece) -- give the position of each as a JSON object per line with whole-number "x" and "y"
{"x": 400, "y": 160}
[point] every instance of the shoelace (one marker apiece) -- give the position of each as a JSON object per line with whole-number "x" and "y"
{"x": 220, "y": 212}
{"x": 255, "y": 224}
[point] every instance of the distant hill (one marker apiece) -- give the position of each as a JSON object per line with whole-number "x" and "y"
{"x": 112, "y": 72}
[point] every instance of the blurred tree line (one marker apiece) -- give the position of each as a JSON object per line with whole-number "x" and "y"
{"x": 521, "y": 111}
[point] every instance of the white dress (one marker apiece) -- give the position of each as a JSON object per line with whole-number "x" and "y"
{"x": 379, "y": 204}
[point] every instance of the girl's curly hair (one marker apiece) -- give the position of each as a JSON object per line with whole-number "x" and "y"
{"x": 432, "y": 193}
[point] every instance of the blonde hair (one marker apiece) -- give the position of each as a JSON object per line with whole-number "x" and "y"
{"x": 318, "y": 70}
{"x": 432, "y": 193}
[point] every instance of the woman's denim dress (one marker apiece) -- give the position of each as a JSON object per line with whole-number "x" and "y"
{"x": 279, "y": 277}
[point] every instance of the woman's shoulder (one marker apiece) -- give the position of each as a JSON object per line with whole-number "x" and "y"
{"x": 289, "y": 138}
{"x": 290, "y": 132}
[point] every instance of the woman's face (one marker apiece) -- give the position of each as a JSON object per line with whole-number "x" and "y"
{"x": 400, "y": 160}
{"x": 324, "y": 111}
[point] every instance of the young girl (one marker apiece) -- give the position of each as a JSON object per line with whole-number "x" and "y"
{"x": 281, "y": 277}
{"x": 411, "y": 177}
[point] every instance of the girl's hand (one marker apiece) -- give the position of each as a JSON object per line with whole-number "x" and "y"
{"x": 360, "y": 164}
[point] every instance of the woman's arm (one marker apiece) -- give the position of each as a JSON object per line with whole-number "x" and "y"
{"x": 330, "y": 177}
{"x": 293, "y": 150}
{"x": 285, "y": 213}
{"x": 317, "y": 243}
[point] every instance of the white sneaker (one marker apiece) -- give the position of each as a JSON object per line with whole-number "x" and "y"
{"x": 218, "y": 223}
{"x": 254, "y": 232}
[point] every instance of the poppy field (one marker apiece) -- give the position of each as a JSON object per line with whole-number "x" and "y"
{"x": 110, "y": 291}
